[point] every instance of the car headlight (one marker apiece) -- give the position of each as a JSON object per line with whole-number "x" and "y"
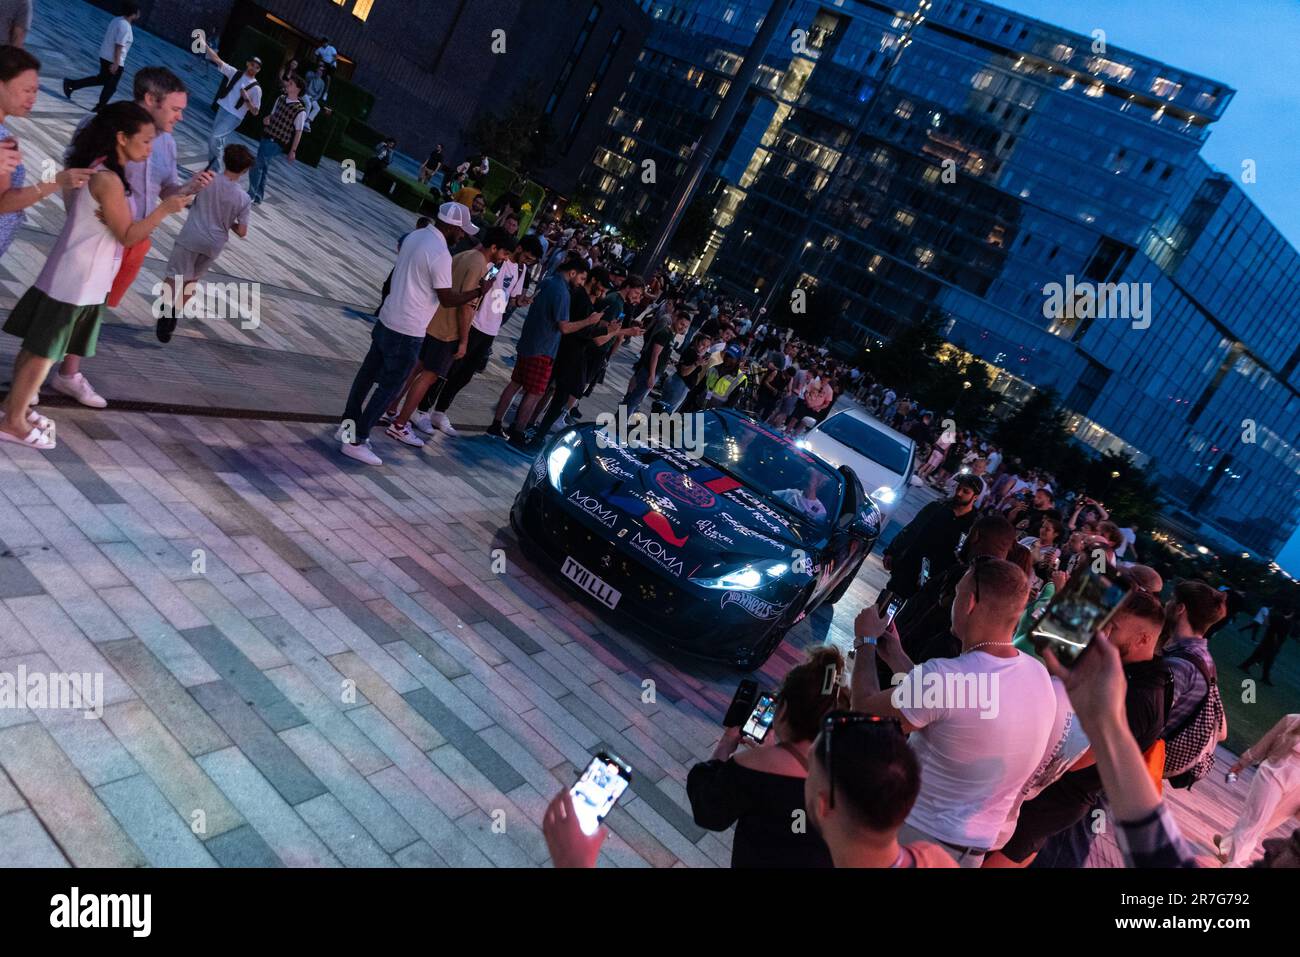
{"x": 747, "y": 577}
{"x": 557, "y": 460}
{"x": 885, "y": 495}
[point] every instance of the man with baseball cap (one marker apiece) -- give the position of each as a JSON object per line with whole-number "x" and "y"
{"x": 238, "y": 96}
{"x": 422, "y": 282}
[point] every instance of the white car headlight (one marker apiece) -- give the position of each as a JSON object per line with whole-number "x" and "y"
{"x": 746, "y": 578}
{"x": 885, "y": 495}
{"x": 558, "y": 458}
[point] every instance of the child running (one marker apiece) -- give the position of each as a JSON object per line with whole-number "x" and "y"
{"x": 222, "y": 208}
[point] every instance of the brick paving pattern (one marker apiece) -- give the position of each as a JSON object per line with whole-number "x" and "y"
{"x": 307, "y": 662}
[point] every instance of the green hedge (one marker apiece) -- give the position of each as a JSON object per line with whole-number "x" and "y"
{"x": 349, "y": 99}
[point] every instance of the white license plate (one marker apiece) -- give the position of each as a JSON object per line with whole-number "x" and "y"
{"x": 603, "y": 592}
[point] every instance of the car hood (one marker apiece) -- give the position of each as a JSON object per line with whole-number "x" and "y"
{"x": 688, "y": 504}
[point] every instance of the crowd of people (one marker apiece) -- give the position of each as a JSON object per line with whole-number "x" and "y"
{"x": 885, "y": 774}
{"x": 120, "y": 182}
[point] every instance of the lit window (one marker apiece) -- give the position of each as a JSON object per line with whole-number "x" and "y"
{"x": 924, "y": 256}
{"x": 904, "y": 109}
{"x": 1166, "y": 88}
{"x": 931, "y": 174}
{"x": 904, "y": 218}
{"x": 874, "y": 264}
{"x": 362, "y": 10}
{"x": 1095, "y": 90}
{"x": 1206, "y": 100}
{"x": 1116, "y": 71}
{"x": 1062, "y": 52}
{"x": 981, "y": 80}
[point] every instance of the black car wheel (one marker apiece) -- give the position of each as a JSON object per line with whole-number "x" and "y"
{"x": 842, "y": 588}
{"x": 754, "y": 658}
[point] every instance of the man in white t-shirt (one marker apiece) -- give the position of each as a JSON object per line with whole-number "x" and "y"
{"x": 239, "y": 95}
{"x": 421, "y": 283}
{"x": 507, "y": 289}
{"x": 112, "y": 56}
{"x": 981, "y": 721}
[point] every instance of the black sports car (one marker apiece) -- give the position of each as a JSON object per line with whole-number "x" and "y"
{"x": 718, "y": 549}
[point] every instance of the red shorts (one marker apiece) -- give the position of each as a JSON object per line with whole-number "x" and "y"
{"x": 533, "y": 373}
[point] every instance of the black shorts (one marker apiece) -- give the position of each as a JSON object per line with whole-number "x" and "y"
{"x": 437, "y": 356}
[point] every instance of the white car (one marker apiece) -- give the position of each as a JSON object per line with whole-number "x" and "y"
{"x": 882, "y": 458}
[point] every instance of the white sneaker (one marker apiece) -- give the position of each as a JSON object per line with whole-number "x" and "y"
{"x": 405, "y": 435}
{"x": 440, "y": 421}
{"x": 423, "y": 423}
{"x": 78, "y": 388}
{"x": 362, "y": 453}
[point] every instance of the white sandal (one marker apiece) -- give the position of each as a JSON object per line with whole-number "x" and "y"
{"x": 36, "y": 439}
{"x": 34, "y": 418}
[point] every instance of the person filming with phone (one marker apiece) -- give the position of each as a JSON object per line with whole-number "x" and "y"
{"x": 976, "y": 754}
{"x": 760, "y": 789}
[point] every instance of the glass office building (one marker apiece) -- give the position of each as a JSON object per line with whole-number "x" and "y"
{"x": 967, "y": 158}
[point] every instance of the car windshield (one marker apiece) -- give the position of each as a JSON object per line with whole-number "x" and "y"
{"x": 773, "y": 467}
{"x": 867, "y": 440}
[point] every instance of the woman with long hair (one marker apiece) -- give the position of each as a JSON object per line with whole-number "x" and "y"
{"x": 61, "y": 313}
{"x": 19, "y": 84}
{"x": 760, "y": 790}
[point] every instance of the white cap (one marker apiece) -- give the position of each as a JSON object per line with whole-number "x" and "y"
{"x": 457, "y": 214}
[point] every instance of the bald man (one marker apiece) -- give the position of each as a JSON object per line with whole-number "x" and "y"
{"x": 980, "y": 722}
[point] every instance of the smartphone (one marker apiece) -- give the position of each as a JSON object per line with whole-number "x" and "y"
{"x": 742, "y": 704}
{"x": 760, "y": 719}
{"x": 891, "y": 608}
{"x": 601, "y": 784}
{"x": 1076, "y": 613}
{"x": 492, "y": 273}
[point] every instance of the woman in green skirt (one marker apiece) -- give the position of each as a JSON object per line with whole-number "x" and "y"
{"x": 61, "y": 313}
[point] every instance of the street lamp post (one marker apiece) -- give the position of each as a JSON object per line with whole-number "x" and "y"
{"x": 702, "y": 158}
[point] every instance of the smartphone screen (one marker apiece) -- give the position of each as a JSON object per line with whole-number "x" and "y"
{"x": 760, "y": 719}
{"x": 895, "y": 603}
{"x": 492, "y": 273}
{"x": 742, "y": 704}
{"x": 604, "y": 781}
{"x": 1086, "y": 603}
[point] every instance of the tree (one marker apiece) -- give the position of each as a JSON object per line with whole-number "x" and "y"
{"x": 694, "y": 229}
{"x": 1035, "y": 433}
{"x": 521, "y": 137}
{"x": 905, "y": 361}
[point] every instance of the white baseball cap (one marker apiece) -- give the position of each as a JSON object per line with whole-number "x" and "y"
{"x": 457, "y": 214}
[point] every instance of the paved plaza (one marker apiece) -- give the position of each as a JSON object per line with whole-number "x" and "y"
{"x": 308, "y": 662}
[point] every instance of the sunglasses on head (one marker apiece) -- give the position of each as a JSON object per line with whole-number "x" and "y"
{"x": 851, "y": 720}
{"x": 975, "y": 571}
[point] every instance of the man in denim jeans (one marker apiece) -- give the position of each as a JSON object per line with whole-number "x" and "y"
{"x": 421, "y": 282}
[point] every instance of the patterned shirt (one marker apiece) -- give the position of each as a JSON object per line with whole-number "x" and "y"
{"x": 10, "y": 222}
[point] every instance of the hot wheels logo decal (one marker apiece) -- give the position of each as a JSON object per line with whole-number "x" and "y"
{"x": 752, "y": 604}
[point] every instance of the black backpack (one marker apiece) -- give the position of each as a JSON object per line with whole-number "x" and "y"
{"x": 1189, "y": 748}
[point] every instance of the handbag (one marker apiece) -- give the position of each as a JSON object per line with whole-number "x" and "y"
{"x": 132, "y": 262}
